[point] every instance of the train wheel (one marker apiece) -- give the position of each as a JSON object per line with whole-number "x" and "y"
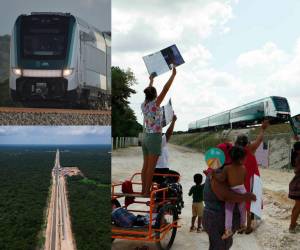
{"x": 166, "y": 215}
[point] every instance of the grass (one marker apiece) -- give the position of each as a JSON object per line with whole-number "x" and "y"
{"x": 205, "y": 140}
{"x": 199, "y": 141}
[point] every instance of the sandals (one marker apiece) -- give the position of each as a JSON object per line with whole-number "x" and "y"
{"x": 199, "y": 229}
{"x": 192, "y": 229}
{"x": 292, "y": 230}
{"x": 242, "y": 229}
{"x": 227, "y": 234}
{"x": 249, "y": 230}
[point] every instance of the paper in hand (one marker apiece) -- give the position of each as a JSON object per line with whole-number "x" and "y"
{"x": 256, "y": 206}
{"x": 167, "y": 113}
{"x": 295, "y": 124}
{"x": 163, "y": 60}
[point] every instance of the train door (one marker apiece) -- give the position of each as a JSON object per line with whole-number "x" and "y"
{"x": 267, "y": 108}
{"x": 82, "y": 58}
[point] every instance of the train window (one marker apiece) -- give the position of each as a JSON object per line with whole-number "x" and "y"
{"x": 281, "y": 104}
{"x": 100, "y": 42}
{"x": 86, "y": 37}
{"x": 256, "y": 108}
{"x": 44, "y": 37}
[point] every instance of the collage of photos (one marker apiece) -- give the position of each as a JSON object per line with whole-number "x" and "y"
{"x": 149, "y": 125}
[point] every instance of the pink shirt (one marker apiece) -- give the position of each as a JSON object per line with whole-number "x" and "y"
{"x": 152, "y": 117}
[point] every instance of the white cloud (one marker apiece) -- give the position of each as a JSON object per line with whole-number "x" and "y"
{"x": 199, "y": 89}
{"x": 269, "y": 57}
{"x": 54, "y": 130}
{"x": 167, "y": 23}
{"x": 272, "y": 71}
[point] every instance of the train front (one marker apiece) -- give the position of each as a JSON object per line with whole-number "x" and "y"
{"x": 282, "y": 109}
{"x": 41, "y": 48}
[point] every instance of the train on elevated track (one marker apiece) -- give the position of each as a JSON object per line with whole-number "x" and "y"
{"x": 274, "y": 108}
{"x": 57, "y": 57}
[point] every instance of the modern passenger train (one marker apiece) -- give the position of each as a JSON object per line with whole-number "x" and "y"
{"x": 275, "y": 108}
{"x": 59, "y": 57}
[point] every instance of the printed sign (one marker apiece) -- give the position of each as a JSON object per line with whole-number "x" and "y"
{"x": 163, "y": 60}
{"x": 295, "y": 124}
{"x": 167, "y": 113}
{"x": 256, "y": 206}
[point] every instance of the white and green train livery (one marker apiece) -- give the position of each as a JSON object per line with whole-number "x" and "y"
{"x": 275, "y": 108}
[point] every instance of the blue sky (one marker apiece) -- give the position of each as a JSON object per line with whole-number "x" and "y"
{"x": 254, "y": 23}
{"x": 57, "y": 135}
{"x": 95, "y": 12}
{"x": 236, "y": 51}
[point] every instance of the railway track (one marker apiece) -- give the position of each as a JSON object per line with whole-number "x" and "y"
{"x": 53, "y": 116}
{"x": 54, "y": 111}
{"x": 58, "y": 232}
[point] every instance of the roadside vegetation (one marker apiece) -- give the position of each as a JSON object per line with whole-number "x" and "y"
{"x": 199, "y": 141}
{"x": 25, "y": 176}
{"x": 124, "y": 122}
{"x": 89, "y": 197}
{"x": 202, "y": 141}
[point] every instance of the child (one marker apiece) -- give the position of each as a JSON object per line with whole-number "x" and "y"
{"x": 235, "y": 174}
{"x": 197, "y": 207}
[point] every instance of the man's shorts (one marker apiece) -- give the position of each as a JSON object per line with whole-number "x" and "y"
{"x": 197, "y": 209}
{"x": 152, "y": 144}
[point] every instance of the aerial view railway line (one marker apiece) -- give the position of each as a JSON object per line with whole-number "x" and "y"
{"x": 59, "y": 232}
{"x": 274, "y": 108}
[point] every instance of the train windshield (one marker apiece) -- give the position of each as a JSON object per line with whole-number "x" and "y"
{"x": 44, "y": 37}
{"x": 281, "y": 104}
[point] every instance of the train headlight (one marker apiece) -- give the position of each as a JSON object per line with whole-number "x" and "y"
{"x": 67, "y": 72}
{"x": 17, "y": 72}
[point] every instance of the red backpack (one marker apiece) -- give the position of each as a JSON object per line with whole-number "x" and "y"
{"x": 127, "y": 189}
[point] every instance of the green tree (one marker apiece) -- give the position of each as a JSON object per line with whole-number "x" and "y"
{"x": 124, "y": 122}
{"x": 4, "y": 57}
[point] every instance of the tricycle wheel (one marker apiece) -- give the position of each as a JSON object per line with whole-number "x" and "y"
{"x": 167, "y": 215}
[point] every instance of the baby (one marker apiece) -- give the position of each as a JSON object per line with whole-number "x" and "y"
{"x": 234, "y": 174}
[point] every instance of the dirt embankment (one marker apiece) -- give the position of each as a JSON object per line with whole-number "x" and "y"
{"x": 278, "y": 138}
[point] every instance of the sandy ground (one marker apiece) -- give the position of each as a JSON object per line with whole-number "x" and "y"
{"x": 271, "y": 232}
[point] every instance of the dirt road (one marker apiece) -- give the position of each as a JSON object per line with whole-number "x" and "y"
{"x": 272, "y": 231}
{"x": 58, "y": 232}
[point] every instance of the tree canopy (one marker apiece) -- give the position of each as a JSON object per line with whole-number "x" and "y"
{"x": 124, "y": 122}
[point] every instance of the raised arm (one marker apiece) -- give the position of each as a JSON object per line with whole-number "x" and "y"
{"x": 171, "y": 128}
{"x": 151, "y": 78}
{"x": 166, "y": 88}
{"x": 254, "y": 145}
{"x": 223, "y": 193}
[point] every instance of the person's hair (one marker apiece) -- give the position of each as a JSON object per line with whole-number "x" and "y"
{"x": 198, "y": 178}
{"x": 242, "y": 140}
{"x": 294, "y": 153}
{"x": 237, "y": 153}
{"x": 150, "y": 93}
